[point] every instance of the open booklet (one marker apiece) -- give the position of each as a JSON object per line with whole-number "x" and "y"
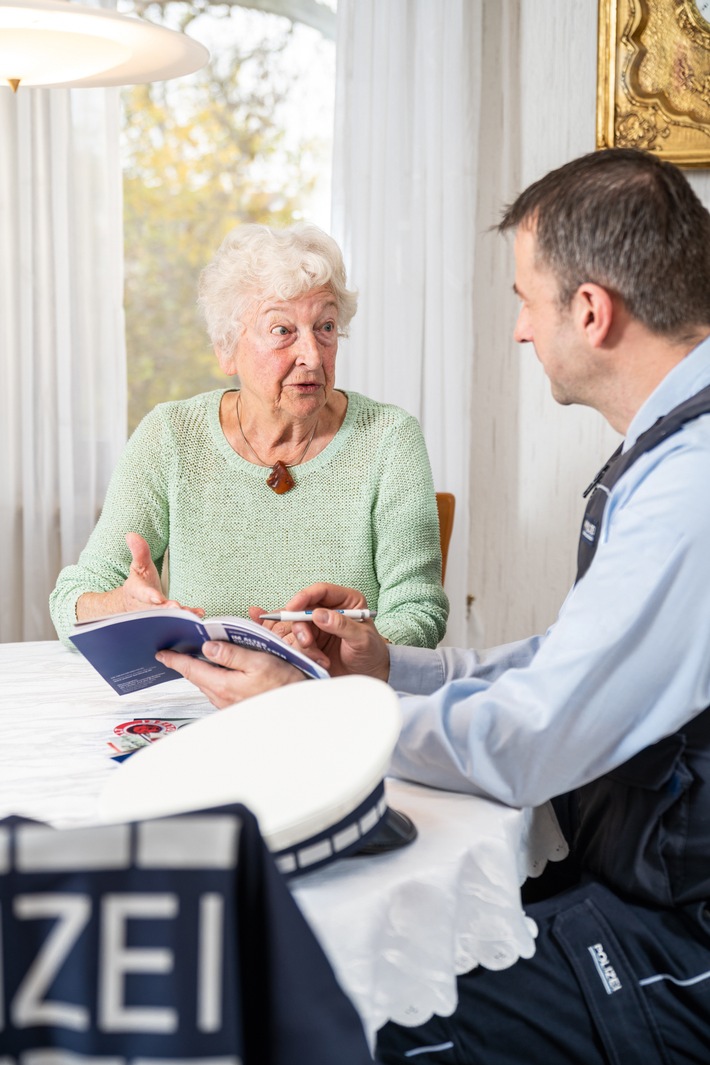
{"x": 122, "y": 647}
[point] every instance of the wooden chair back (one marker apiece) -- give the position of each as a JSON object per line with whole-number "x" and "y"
{"x": 446, "y": 505}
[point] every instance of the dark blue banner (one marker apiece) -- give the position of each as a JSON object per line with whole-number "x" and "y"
{"x": 173, "y": 940}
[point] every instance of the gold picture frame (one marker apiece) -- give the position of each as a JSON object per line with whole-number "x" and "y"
{"x": 653, "y": 78}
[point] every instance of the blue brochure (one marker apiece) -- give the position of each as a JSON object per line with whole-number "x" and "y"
{"x": 122, "y": 647}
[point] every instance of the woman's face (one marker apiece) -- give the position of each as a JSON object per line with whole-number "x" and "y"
{"x": 285, "y": 357}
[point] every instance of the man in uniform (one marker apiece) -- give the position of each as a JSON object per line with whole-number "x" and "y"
{"x": 608, "y": 713}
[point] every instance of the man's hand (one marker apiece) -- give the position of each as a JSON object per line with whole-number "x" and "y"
{"x": 340, "y": 644}
{"x": 141, "y": 589}
{"x": 237, "y": 673}
{"x": 279, "y": 628}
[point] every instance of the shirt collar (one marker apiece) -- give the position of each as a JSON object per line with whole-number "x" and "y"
{"x": 690, "y": 375}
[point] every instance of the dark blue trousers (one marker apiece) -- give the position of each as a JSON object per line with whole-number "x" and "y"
{"x": 611, "y": 981}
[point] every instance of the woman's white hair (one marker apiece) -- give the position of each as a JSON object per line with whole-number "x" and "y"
{"x": 255, "y": 262}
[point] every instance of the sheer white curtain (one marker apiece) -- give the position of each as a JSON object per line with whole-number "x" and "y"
{"x": 404, "y": 195}
{"x": 62, "y": 358}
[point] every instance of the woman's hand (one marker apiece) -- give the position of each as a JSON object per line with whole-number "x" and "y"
{"x": 237, "y": 673}
{"x": 141, "y": 589}
{"x": 341, "y": 645}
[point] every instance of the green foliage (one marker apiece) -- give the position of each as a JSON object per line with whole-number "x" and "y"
{"x": 201, "y": 155}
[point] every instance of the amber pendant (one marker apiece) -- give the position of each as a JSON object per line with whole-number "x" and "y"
{"x": 280, "y": 480}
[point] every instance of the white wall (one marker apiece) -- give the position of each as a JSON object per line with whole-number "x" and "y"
{"x": 531, "y": 459}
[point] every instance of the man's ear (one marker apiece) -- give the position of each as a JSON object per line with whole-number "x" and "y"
{"x": 593, "y": 309}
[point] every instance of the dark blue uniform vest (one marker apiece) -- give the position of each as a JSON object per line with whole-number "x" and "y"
{"x": 644, "y": 828}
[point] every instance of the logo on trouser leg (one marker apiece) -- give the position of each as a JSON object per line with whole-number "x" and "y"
{"x": 606, "y": 971}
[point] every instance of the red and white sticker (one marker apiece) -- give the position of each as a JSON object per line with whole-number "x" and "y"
{"x": 148, "y": 728}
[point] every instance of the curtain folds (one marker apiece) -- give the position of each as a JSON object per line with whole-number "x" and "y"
{"x": 404, "y": 196}
{"x": 62, "y": 354}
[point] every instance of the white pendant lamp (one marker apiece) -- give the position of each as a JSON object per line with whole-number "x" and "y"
{"x": 61, "y": 43}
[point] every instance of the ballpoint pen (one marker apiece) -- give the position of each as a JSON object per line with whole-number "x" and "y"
{"x": 305, "y": 615}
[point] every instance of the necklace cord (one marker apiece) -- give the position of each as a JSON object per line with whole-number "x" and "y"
{"x": 267, "y": 465}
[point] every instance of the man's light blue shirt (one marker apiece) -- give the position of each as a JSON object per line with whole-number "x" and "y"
{"x": 626, "y": 663}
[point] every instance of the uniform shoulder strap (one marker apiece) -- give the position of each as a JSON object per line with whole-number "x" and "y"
{"x": 619, "y": 463}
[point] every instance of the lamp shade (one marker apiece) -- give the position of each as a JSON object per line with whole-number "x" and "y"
{"x": 62, "y": 43}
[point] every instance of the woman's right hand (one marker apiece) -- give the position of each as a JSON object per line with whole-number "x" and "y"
{"x": 141, "y": 589}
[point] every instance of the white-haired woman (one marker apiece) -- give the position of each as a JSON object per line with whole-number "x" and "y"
{"x": 263, "y": 489}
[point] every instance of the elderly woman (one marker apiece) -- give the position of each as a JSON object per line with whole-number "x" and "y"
{"x": 263, "y": 489}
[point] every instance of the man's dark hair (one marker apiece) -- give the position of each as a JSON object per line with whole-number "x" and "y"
{"x": 629, "y": 221}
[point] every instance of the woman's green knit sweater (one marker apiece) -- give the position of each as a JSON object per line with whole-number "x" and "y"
{"x": 362, "y": 514}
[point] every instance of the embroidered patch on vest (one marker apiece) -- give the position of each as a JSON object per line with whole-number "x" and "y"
{"x": 589, "y": 530}
{"x": 606, "y": 972}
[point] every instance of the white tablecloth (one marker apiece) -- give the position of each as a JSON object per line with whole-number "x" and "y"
{"x": 397, "y": 928}
{"x": 401, "y": 926}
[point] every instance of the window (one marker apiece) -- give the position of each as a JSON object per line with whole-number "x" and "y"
{"x": 247, "y": 139}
